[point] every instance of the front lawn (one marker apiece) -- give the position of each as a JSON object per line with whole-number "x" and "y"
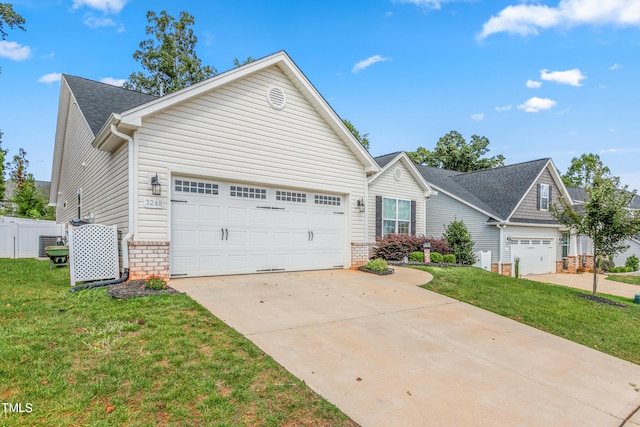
{"x": 88, "y": 359}
{"x": 631, "y": 280}
{"x": 551, "y": 308}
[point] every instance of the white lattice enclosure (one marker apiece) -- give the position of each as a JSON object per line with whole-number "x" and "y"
{"x": 93, "y": 253}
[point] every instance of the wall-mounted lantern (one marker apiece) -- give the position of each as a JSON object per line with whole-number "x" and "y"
{"x": 156, "y": 188}
{"x": 360, "y": 205}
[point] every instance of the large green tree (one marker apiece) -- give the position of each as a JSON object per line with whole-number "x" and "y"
{"x": 11, "y": 18}
{"x": 454, "y": 153}
{"x": 30, "y": 203}
{"x": 582, "y": 169}
{"x": 362, "y": 139}
{"x": 168, "y": 57}
{"x": 604, "y": 216}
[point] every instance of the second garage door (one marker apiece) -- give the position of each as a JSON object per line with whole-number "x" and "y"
{"x": 537, "y": 255}
{"x": 222, "y": 228}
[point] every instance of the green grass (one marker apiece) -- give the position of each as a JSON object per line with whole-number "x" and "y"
{"x": 88, "y": 359}
{"x": 551, "y": 308}
{"x": 631, "y": 280}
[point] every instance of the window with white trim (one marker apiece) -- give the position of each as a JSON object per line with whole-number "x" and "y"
{"x": 544, "y": 197}
{"x": 396, "y": 216}
{"x": 291, "y": 196}
{"x": 320, "y": 199}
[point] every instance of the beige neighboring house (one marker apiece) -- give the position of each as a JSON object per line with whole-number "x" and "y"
{"x": 257, "y": 173}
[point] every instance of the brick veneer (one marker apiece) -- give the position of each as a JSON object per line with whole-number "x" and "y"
{"x": 360, "y": 253}
{"x": 148, "y": 258}
{"x": 506, "y": 268}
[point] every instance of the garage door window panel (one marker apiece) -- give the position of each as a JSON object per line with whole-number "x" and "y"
{"x": 195, "y": 187}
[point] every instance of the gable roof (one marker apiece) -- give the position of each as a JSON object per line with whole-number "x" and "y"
{"x": 98, "y": 101}
{"x": 388, "y": 160}
{"x": 496, "y": 192}
{"x": 578, "y": 196}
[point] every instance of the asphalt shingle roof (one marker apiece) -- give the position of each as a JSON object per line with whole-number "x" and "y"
{"x": 98, "y": 101}
{"x": 383, "y": 161}
{"x": 496, "y": 191}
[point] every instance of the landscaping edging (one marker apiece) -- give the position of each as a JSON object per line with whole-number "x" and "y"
{"x": 379, "y": 273}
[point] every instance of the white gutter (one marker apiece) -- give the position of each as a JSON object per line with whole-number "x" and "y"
{"x": 130, "y": 180}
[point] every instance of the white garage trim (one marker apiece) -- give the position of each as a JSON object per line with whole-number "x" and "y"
{"x": 537, "y": 254}
{"x": 220, "y": 227}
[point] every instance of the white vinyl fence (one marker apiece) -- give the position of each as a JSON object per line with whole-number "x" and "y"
{"x": 21, "y": 237}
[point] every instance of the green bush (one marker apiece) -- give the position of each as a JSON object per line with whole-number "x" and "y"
{"x": 436, "y": 257}
{"x": 632, "y": 263}
{"x": 607, "y": 264}
{"x": 377, "y": 264}
{"x": 620, "y": 270}
{"x": 416, "y": 256}
{"x": 449, "y": 258}
{"x": 155, "y": 282}
{"x": 460, "y": 241}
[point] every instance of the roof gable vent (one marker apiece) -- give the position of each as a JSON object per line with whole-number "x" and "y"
{"x": 276, "y": 98}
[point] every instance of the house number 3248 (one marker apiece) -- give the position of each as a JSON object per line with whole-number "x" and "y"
{"x": 154, "y": 203}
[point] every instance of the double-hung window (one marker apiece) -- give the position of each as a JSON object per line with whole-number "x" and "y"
{"x": 544, "y": 197}
{"x": 396, "y": 216}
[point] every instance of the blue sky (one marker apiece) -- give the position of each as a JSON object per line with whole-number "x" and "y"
{"x": 539, "y": 79}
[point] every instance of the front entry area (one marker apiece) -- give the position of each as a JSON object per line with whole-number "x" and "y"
{"x": 220, "y": 228}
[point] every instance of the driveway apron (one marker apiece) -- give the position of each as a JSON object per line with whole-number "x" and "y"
{"x": 389, "y": 353}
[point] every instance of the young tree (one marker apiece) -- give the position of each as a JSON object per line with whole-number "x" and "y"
{"x": 581, "y": 170}
{"x": 604, "y": 216}
{"x": 31, "y": 204}
{"x": 169, "y": 57}
{"x": 362, "y": 139}
{"x": 460, "y": 241}
{"x": 454, "y": 153}
{"x": 11, "y": 18}
{"x": 3, "y": 153}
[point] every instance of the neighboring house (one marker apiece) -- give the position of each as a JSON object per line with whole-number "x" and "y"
{"x": 506, "y": 210}
{"x": 256, "y": 173}
{"x": 585, "y": 244}
{"x": 398, "y": 193}
{"x": 42, "y": 186}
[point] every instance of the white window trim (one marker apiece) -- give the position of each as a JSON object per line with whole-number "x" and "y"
{"x": 396, "y": 220}
{"x": 543, "y": 197}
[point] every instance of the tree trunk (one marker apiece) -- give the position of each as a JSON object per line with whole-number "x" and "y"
{"x": 595, "y": 278}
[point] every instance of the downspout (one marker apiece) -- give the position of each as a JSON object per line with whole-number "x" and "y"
{"x": 501, "y": 226}
{"x": 127, "y": 237}
{"x": 366, "y": 212}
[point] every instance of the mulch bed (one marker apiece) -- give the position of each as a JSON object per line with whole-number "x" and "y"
{"x": 136, "y": 288}
{"x": 379, "y": 273}
{"x": 601, "y": 300}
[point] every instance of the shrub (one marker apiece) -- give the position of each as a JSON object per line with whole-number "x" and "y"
{"x": 436, "y": 257}
{"x": 459, "y": 239}
{"x": 377, "y": 264}
{"x": 449, "y": 258}
{"x": 155, "y": 282}
{"x": 394, "y": 247}
{"x": 439, "y": 245}
{"x": 517, "y": 260}
{"x": 416, "y": 256}
{"x": 632, "y": 263}
{"x": 621, "y": 269}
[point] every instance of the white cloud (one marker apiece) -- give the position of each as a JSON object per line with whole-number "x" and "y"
{"x": 526, "y": 19}
{"x": 477, "y": 117}
{"x": 504, "y": 108}
{"x": 533, "y": 84}
{"x": 615, "y": 67}
{"x": 50, "y": 78}
{"x": 368, "y": 62}
{"x": 106, "y": 6}
{"x": 535, "y": 104}
{"x": 93, "y": 22}
{"x": 569, "y": 77}
{"x": 14, "y": 51}
{"x": 427, "y": 4}
{"x": 113, "y": 82}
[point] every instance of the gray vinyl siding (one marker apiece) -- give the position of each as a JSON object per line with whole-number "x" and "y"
{"x": 443, "y": 209}
{"x": 232, "y": 134}
{"x": 634, "y": 249}
{"x": 529, "y": 205}
{"x": 387, "y": 186}
{"x": 103, "y": 180}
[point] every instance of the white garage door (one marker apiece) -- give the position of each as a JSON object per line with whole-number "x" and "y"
{"x": 537, "y": 255}
{"x": 225, "y": 228}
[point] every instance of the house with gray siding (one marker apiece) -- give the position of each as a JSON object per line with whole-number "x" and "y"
{"x": 506, "y": 210}
{"x": 249, "y": 171}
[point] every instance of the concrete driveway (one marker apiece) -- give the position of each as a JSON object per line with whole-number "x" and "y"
{"x": 388, "y": 353}
{"x": 584, "y": 281}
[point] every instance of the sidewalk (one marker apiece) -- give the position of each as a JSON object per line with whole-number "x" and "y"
{"x": 585, "y": 282}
